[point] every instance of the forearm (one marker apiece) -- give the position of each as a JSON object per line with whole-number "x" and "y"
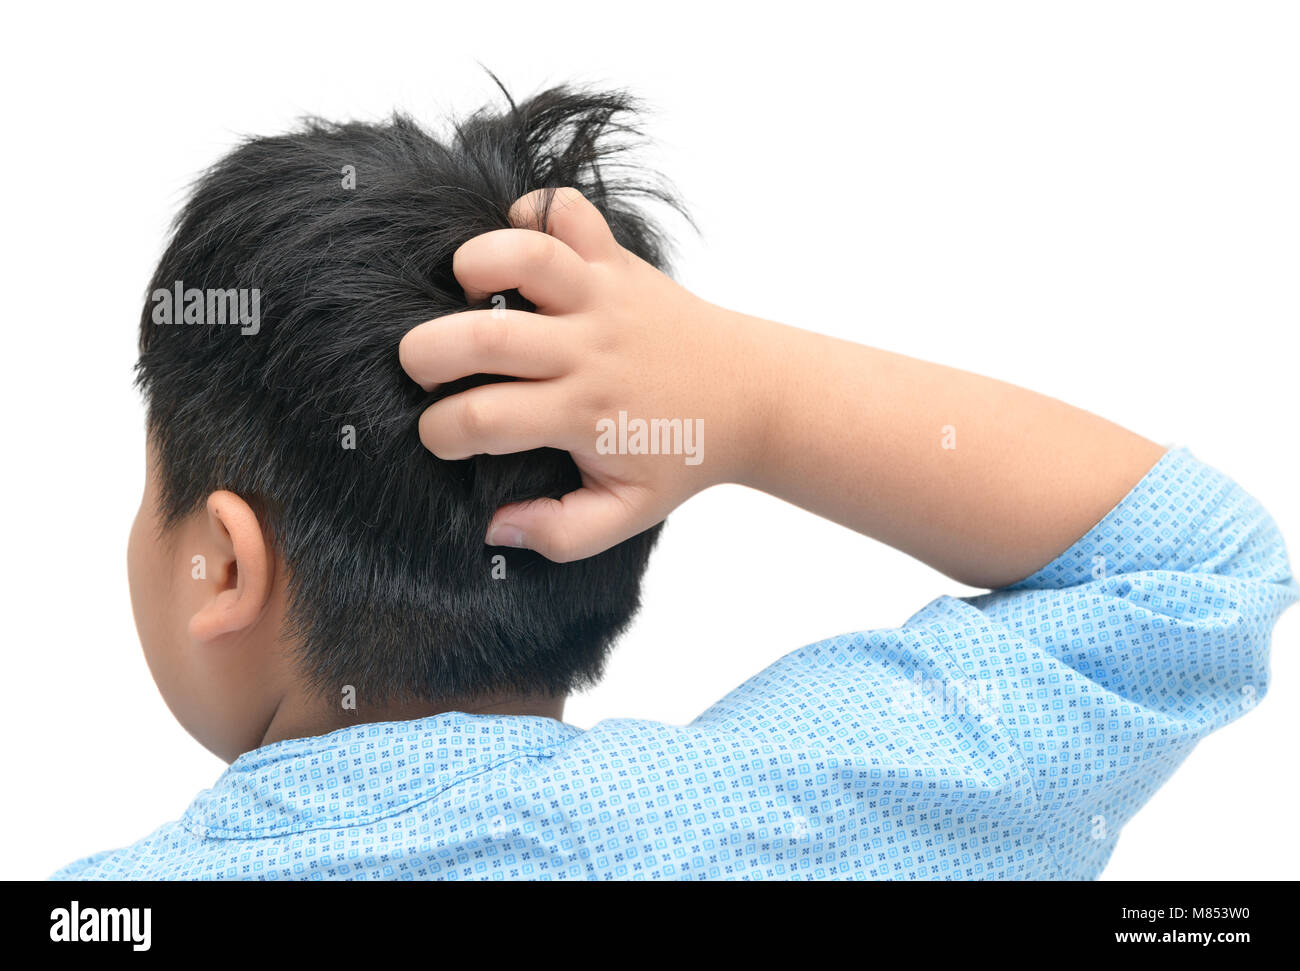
{"x": 982, "y": 480}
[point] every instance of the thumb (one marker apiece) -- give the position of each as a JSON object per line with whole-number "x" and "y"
{"x": 578, "y": 525}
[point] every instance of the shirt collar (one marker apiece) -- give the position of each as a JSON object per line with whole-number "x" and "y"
{"x": 361, "y": 774}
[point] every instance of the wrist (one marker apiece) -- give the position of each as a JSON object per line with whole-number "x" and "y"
{"x": 749, "y": 375}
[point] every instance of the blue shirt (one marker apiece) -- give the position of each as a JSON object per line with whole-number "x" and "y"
{"x": 1008, "y": 735}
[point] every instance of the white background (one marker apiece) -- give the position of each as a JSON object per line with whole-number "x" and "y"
{"x": 1099, "y": 201}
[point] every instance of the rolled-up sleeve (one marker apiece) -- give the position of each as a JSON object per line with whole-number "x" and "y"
{"x": 1150, "y": 632}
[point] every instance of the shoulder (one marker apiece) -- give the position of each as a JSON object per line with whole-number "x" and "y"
{"x": 142, "y": 859}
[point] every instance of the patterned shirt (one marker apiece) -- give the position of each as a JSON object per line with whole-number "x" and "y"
{"x": 1009, "y": 735}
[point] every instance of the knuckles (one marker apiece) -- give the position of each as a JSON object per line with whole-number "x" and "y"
{"x": 489, "y": 335}
{"x": 536, "y": 250}
{"x": 471, "y": 420}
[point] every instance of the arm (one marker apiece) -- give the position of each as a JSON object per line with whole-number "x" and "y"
{"x": 982, "y": 480}
{"x": 848, "y": 432}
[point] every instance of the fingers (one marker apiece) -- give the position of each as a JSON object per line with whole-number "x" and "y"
{"x": 542, "y": 268}
{"x": 508, "y": 342}
{"x": 571, "y": 218}
{"x": 493, "y": 419}
{"x": 581, "y": 524}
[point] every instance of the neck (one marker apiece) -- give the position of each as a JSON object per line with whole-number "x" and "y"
{"x": 299, "y": 717}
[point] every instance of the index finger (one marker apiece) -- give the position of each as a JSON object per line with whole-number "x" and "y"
{"x": 542, "y": 268}
{"x": 570, "y": 217}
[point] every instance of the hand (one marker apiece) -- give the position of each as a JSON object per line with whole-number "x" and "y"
{"x": 614, "y": 343}
{"x": 857, "y": 435}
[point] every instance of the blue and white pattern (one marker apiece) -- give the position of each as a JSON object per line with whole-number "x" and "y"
{"x": 1008, "y": 735}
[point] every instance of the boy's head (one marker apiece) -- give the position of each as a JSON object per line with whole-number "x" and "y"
{"x": 297, "y": 548}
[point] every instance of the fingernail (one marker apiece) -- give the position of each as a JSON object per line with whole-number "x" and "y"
{"x": 506, "y": 535}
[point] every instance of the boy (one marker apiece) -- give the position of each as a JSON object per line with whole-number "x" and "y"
{"x": 367, "y": 575}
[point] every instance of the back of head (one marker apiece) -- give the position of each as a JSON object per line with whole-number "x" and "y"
{"x": 343, "y": 235}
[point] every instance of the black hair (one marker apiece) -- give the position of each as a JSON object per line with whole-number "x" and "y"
{"x": 346, "y": 232}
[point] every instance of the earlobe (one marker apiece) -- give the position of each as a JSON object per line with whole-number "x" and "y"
{"x": 239, "y": 566}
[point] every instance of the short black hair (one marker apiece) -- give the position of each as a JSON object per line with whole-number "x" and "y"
{"x": 346, "y": 232}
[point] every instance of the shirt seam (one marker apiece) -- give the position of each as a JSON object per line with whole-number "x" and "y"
{"x": 225, "y": 833}
{"x": 1012, "y": 737}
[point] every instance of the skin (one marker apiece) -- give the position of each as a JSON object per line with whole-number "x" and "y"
{"x": 846, "y": 431}
{"x": 214, "y": 644}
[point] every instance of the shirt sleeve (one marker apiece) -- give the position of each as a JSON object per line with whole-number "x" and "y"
{"x": 1048, "y": 712}
{"x": 1148, "y": 633}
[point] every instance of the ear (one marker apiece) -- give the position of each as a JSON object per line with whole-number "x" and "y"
{"x": 239, "y": 568}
